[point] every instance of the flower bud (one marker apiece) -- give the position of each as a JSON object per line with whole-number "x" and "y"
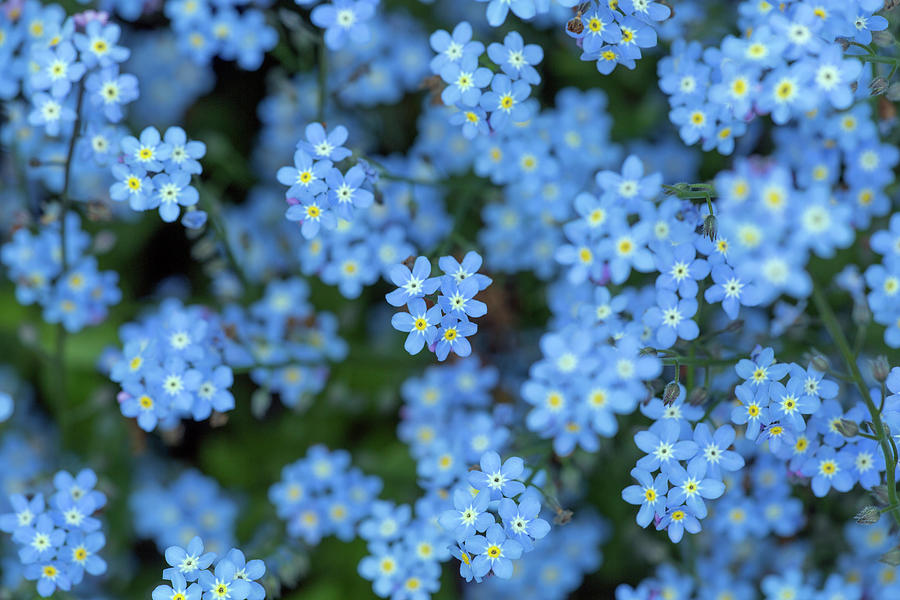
{"x": 697, "y": 397}
{"x": 880, "y": 494}
{"x": 847, "y": 428}
{"x": 563, "y": 516}
{"x": 819, "y": 361}
{"x": 575, "y": 25}
{"x": 868, "y": 515}
{"x": 671, "y": 393}
{"x": 878, "y": 86}
{"x": 710, "y": 227}
{"x": 880, "y": 368}
{"x": 861, "y": 315}
{"x": 893, "y": 92}
{"x": 891, "y": 557}
{"x": 883, "y": 39}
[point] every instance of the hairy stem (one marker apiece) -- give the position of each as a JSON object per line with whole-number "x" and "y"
{"x": 886, "y": 443}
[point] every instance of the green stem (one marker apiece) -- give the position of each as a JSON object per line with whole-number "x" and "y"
{"x": 209, "y": 203}
{"x": 323, "y": 81}
{"x": 65, "y": 201}
{"x": 886, "y": 60}
{"x": 884, "y": 440}
{"x": 698, "y": 362}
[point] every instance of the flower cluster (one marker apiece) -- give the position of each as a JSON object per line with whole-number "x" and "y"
{"x": 318, "y": 193}
{"x": 283, "y": 341}
{"x": 693, "y": 462}
{"x": 344, "y": 21}
{"x": 193, "y": 572}
{"x": 444, "y": 326}
{"x": 321, "y": 495}
{"x": 174, "y": 512}
{"x": 790, "y": 66}
{"x": 67, "y": 284}
{"x": 171, "y": 367}
{"x": 154, "y": 172}
{"x": 59, "y": 540}
{"x": 484, "y": 544}
{"x": 457, "y": 64}
{"x": 205, "y": 30}
{"x": 613, "y": 33}
{"x": 883, "y": 282}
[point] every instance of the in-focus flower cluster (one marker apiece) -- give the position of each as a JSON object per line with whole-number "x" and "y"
{"x": 445, "y": 325}
{"x": 613, "y": 33}
{"x": 193, "y": 572}
{"x": 457, "y": 64}
{"x": 318, "y": 193}
{"x": 154, "y": 172}
{"x": 484, "y": 544}
{"x": 59, "y": 540}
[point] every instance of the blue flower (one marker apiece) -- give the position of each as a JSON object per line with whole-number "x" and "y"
{"x": 131, "y": 183}
{"x": 81, "y": 551}
{"x": 517, "y": 59}
{"x": 419, "y": 322}
{"x": 650, "y": 494}
{"x": 187, "y": 562}
{"x": 49, "y": 575}
{"x": 679, "y": 270}
{"x": 50, "y": 112}
{"x": 452, "y": 336}
{"x": 522, "y": 521}
{"x": 672, "y": 318}
{"x": 493, "y": 552}
{"x": 468, "y": 516}
{"x": 57, "y": 68}
{"x": 498, "y": 9}
{"x": 344, "y": 21}
{"x": 599, "y": 29}
{"x": 473, "y": 120}
{"x": 412, "y": 284}
{"x": 39, "y": 541}
{"x": 306, "y": 178}
{"x": 465, "y": 80}
{"x": 109, "y": 90}
{"x": 325, "y": 146}
{"x": 345, "y": 192}
{"x": 249, "y": 571}
{"x": 223, "y": 583}
{"x": 663, "y": 447}
{"x": 713, "y": 455}
{"x": 452, "y": 48}
{"x": 178, "y": 586}
{"x": 731, "y": 291}
{"x": 170, "y": 192}
{"x": 865, "y": 24}
{"x": 829, "y": 469}
{"x": 97, "y": 44}
{"x": 469, "y": 267}
{"x": 25, "y": 512}
{"x": 505, "y": 101}
{"x": 690, "y": 487}
{"x": 499, "y": 481}
{"x": 184, "y": 153}
{"x": 676, "y": 521}
{"x": 313, "y": 213}
{"x": 457, "y": 299}
{"x": 149, "y": 152}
